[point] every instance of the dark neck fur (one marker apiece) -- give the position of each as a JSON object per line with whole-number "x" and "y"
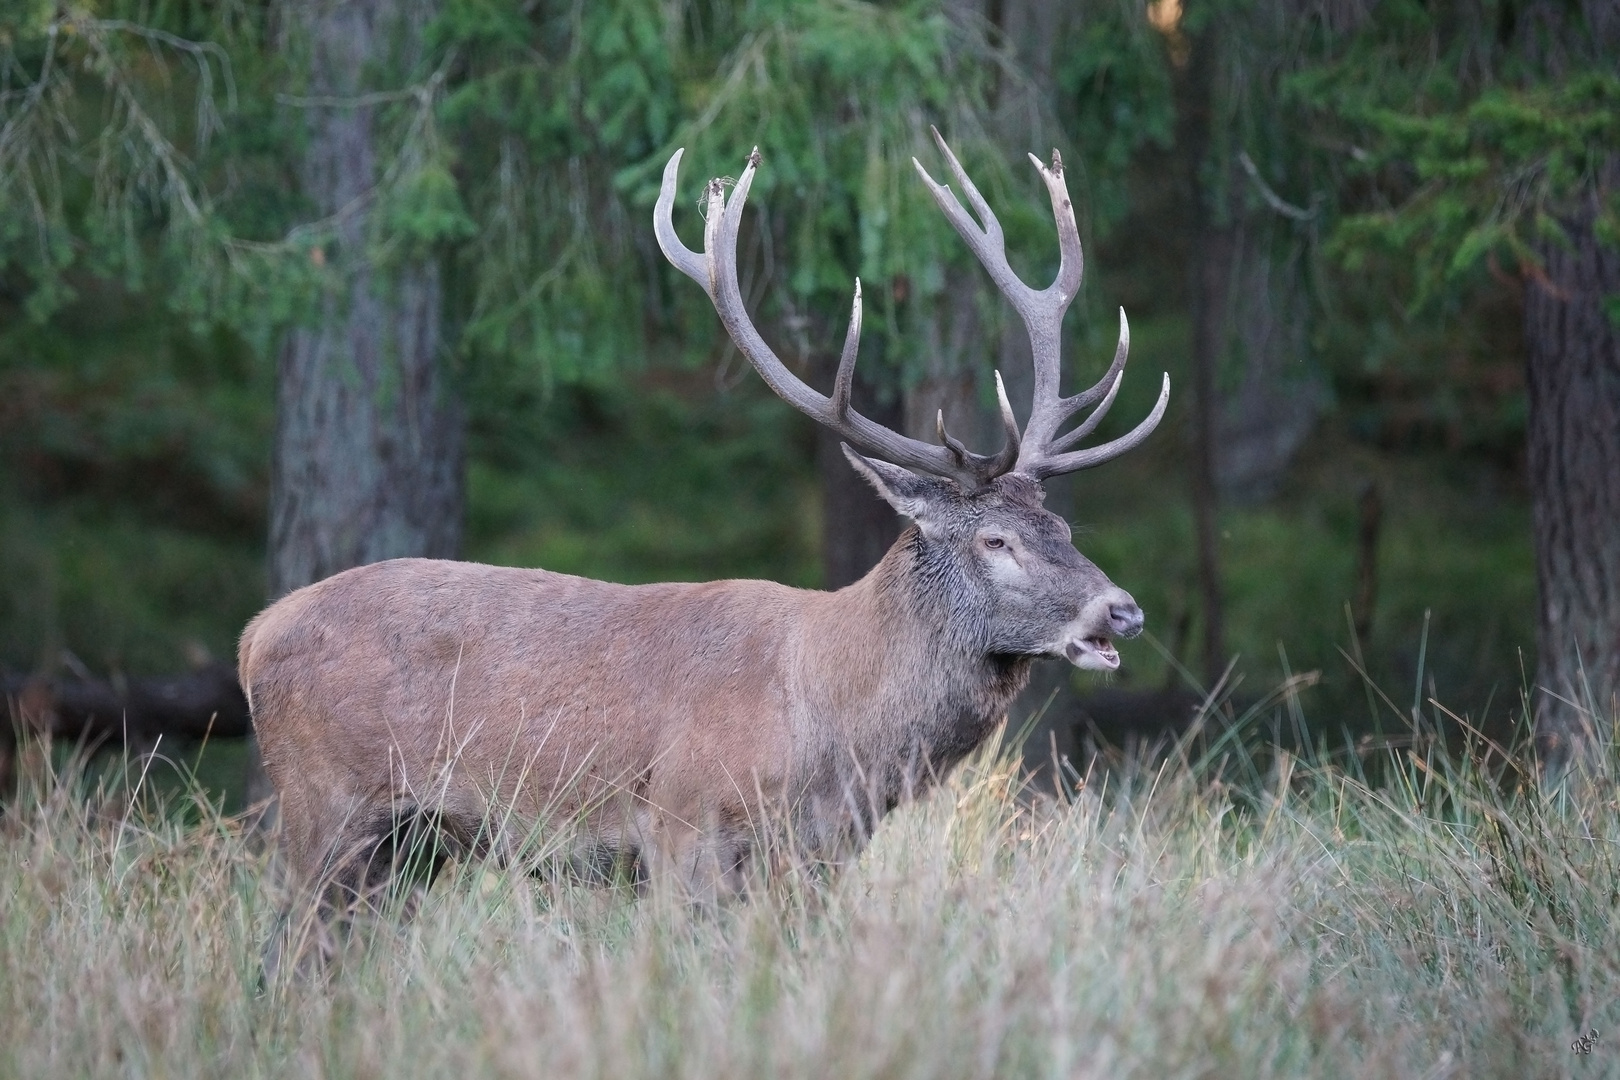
{"x": 922, "y": 596}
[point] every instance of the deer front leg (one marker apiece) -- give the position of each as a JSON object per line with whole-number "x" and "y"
{"x": 706, "y": 860}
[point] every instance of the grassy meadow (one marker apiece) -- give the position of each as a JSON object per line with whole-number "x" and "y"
{"x": 1406, "y": 912}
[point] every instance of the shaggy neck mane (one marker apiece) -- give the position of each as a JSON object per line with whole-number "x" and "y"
{"x": 921, "y": 598}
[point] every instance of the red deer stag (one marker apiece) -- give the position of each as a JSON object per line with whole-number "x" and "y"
{"x": 664, "y": 723}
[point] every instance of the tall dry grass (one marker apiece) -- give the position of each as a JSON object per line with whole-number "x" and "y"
{"x": 1161, "y": 922}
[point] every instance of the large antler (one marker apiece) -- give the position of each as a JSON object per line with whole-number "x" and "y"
{"x": 1042, "y": 451}
{"x": 716, "y": 270}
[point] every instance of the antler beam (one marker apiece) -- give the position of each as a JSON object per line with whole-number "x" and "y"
{"x": 1039, "y": 451}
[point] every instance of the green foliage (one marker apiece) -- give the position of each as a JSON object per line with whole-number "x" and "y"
{"x": 133, "y": 486}
{"x": 148, "y": 143}
{"x": 1118, "y": 89}
{"x": 424, "y": 213}
{"x": 1489, "y": 179}
{"x": 542, "y": 109}
{"x": 1469, "y": 150}
{"x": 839, "y": 98}
{"x": 647, "y": 482}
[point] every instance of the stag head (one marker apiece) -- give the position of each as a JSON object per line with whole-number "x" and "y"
{"x": 1008, "y": 566}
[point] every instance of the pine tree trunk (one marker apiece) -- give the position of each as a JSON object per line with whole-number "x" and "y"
{"x": 1207, "y": 186}
{"x": 1573, "y": 381}
{"x": 367, "y": 451}
{"x": 367, "y": 459}
{"x": 1212, "y": 267}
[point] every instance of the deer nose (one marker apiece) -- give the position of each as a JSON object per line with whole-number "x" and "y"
{"x": 1125, "y": 619}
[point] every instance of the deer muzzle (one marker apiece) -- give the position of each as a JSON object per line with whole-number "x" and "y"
{"x": 1088, "y": 642}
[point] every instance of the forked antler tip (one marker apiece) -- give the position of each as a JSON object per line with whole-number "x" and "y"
{"x": 683, "y": 258}
{"x": 1054, "y": 170}
{"x": 922, "y": 170}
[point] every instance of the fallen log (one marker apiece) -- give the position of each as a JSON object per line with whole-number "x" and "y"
{"x": 204, "y": 703}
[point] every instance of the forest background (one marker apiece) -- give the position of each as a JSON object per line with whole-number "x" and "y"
{"x": 287, "y": 287}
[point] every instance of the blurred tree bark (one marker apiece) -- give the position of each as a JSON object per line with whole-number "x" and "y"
{"x": 1572, "y": 375}
{"x": 367, "y": 457}
{"x": 1572, "y": 382}
{"x": 1196, "y": 60}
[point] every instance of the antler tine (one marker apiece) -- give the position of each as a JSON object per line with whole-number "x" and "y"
{"x": 720, "y": 280}
{"x": 1071, "y": 257}
{"x": 683, "y": 258}
{"x": 1043, "y": 452}
{"x": 1122, "y": 352}
{"x": 986, "y": 242}
{"x": 716, "y": 271}
{"x": 991, "y": 228}
{"x": 1063, "y": 442}
{"x": 1055, "y": 465}
{"x": 1045, "y": 319}
{"x": 1009, "y": 451}
{"x": 1003, "y": 461}
{"x": 845, "y": 382}
{"x": 957, "y": 448}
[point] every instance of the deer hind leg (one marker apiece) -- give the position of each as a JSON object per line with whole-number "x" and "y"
{"x": 387, "y": 858}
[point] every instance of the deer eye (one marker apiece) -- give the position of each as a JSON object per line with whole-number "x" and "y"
{"x": 995, "y": 542}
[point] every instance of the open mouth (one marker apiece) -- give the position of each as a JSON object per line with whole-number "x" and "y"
{"x": 1095, "y": 653}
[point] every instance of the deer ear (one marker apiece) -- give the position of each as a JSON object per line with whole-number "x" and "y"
{"x": 912, "y": 495}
